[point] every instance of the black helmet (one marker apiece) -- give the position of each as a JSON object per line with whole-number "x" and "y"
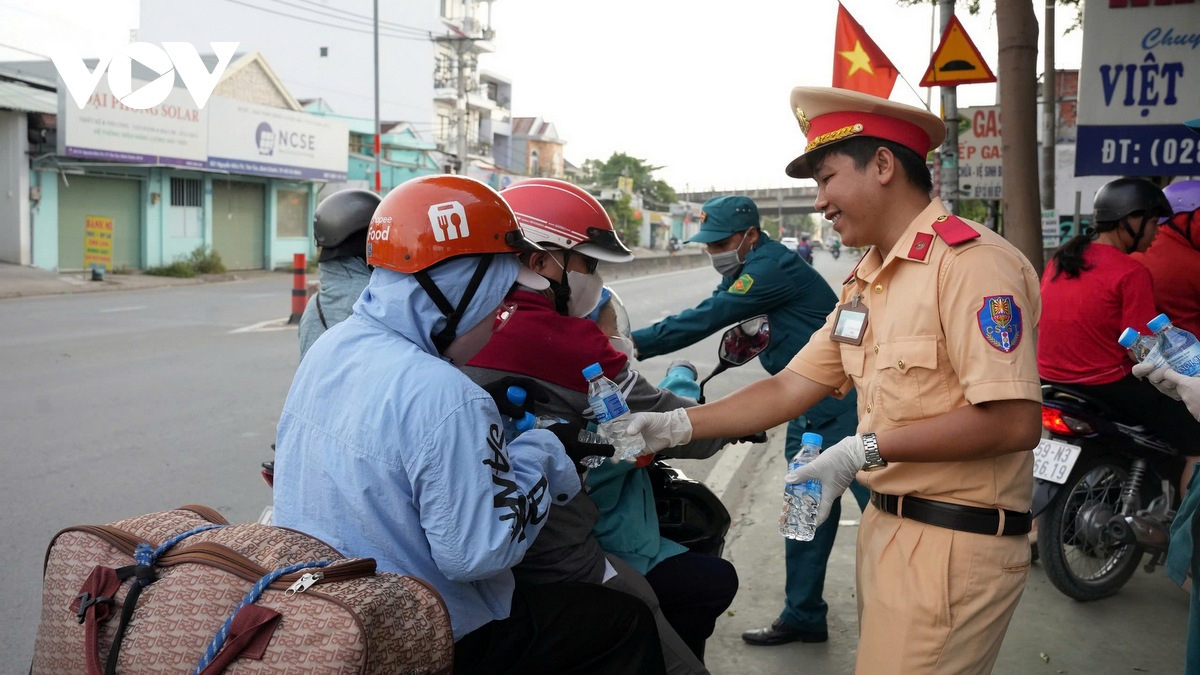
{"x": 340, "y": 224}
{"x": 1123, "y": 196}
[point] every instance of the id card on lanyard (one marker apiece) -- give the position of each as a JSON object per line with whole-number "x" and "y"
{"x": 850, "y": 323}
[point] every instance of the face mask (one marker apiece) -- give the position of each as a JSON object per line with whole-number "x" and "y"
{"x": 728, "y": 263}
{"x": 585, "y": 293}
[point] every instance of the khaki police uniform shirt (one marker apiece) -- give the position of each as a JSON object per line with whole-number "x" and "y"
{"x": 940, "y": 335}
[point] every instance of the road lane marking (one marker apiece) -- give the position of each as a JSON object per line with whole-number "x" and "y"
{"x": 727, "y": 465}
{"x": 122, "y": 309}
{"x": 264, "y": 326}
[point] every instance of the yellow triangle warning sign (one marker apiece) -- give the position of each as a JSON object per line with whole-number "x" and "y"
{"x": 956, "y": 61}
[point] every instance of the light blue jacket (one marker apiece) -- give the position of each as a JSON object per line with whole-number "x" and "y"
{"x": 342, "y": 281}
{"x": 386, "y": 450}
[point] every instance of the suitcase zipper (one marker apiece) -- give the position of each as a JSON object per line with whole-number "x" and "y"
{"x": 225, "y": 558}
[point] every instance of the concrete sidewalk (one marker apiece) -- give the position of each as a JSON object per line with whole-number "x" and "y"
{"x": 18, "y": 281}
{"x": 1142, "y": 629}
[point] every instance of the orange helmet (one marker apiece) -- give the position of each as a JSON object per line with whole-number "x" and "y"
{"x": 428, "y": 219}
{"x": 560, "y": 214}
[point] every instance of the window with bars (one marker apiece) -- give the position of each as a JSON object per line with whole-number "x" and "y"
{"x": 186, "y": 192}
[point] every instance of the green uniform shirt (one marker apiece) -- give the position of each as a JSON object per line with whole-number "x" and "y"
{"x": 773, "y": 281}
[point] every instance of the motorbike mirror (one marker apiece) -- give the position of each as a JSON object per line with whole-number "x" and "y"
{"x": 743, "y": 342}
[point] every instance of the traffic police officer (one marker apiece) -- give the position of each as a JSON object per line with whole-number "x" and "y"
{"x": 761, "y": 276}
{"x": 935, "y": 330}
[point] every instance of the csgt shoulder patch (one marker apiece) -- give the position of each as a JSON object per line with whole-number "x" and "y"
{"x": 1000, "y": 322}
{"x": 742, "y": 285}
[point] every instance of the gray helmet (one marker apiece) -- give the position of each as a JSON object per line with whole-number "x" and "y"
{"x": 1123, "y": 196}
{"x": 340, "y": 224}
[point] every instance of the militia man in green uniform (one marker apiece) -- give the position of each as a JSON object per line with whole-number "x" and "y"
{"x": 761, "y": 276}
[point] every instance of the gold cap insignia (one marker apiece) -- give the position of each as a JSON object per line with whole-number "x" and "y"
{"x": 835, "y": 135}
{"x": 802, "y": 120}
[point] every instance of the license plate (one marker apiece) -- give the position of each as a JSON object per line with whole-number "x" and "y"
{"x": 1052, "y": 460}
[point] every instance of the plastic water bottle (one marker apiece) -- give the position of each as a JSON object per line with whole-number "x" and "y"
{"x": 1179, "y": 348}
{"x": 612, "y": 414}
{"x": 801, "y": 501}
{"x": 1143, "y": 347}
{"x": 584, "y": 436}
{"x": 517, "y": 396}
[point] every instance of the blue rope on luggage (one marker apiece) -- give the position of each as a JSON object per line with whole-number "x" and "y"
{"x": 218, "y": 640}
{"x": 144, "y": 556}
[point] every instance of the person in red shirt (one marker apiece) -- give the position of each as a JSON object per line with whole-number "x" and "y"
{"x": 1092, "y": 290}
{"x": 1174, "y": 257}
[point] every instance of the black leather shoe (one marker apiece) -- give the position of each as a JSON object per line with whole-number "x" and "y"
{"x": 780, "y": 634}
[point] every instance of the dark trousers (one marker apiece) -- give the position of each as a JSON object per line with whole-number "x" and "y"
{"x": 693, "y": 589}
{"x": 1138, "y": 402}
{"x": 565, "y": 628}
{"x": 804, "y": 607}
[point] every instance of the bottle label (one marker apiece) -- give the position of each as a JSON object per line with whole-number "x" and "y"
{"x": 1186, "y": 362}
{"x": 609, "y": 407}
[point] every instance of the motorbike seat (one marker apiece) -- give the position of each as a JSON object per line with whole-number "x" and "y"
{"x": 1053, "y": 391}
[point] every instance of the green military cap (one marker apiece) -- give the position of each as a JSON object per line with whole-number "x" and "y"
{"x": 723, "y": 216}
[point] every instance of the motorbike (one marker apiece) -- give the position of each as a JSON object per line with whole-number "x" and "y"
{"x": 835, "y": 252}
{"x": 688, "y": 511}
{"x": 1104, "y": 494}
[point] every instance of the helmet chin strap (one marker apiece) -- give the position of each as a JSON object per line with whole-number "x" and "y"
{"x": 561, "y": 289}
{"x": 1137, "y": 236}
{"x": 443, "y": 338}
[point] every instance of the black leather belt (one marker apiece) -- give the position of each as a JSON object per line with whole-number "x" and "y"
{"x": 954, "y": 516}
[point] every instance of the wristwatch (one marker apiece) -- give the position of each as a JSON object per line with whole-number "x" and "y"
{"x": 871, "y": 453}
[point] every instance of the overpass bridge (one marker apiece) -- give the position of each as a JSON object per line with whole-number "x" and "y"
{"x": 770, "y": 201}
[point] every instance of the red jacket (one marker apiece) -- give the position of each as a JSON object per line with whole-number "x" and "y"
{"x": 1174, "y": 263}
{"x": 1082, "y": 317}
{"x": 545, "y": 345}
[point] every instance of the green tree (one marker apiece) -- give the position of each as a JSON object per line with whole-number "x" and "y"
{"x": 628, "y": 228}
{"x": 656, "y": 194}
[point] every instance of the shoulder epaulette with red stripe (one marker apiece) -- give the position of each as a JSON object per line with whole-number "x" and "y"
{"x": 850, "y": 277}
{"x": 954, "y": 230}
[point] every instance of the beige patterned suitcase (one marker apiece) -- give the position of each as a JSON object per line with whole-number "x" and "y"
{"x": 209, "y": 597}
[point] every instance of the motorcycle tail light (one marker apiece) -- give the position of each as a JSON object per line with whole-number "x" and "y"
{"x": 1057, "y": 423}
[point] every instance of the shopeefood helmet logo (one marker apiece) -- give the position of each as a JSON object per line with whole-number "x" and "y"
{"x": 449, "y": 221}
{"x": 380, "y": 228}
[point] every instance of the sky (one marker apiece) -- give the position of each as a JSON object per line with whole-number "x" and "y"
{"x": 697, "y": 87}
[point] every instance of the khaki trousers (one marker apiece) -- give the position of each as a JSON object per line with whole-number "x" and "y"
{"x": 933, "y": 600}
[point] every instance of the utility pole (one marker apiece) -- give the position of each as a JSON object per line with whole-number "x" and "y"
{"x": 1049, "y": 112}
{"x": 950, "y": 115}
{"x": 462, "y": 40}
{"x": 464, "y": 47}
{"x": 378, "y": 124}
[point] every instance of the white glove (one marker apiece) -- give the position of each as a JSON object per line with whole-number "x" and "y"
{"x": 661, "y": 430}
{"x": 835, "y": 468}
{"x": 1188, "y": 389}
{"x": 1157, "y": 377}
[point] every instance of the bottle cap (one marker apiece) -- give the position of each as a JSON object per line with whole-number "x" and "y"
{"x": 526, "y": 423}
{"x": 812, "y": 439}
{"x": 1128, "y": 338}
{"x": 592, "y": 371}
{"x": 516, "y": 395}
{"x": 1158, "y": 323}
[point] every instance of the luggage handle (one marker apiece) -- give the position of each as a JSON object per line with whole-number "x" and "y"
{"x": 92, "y": 602}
